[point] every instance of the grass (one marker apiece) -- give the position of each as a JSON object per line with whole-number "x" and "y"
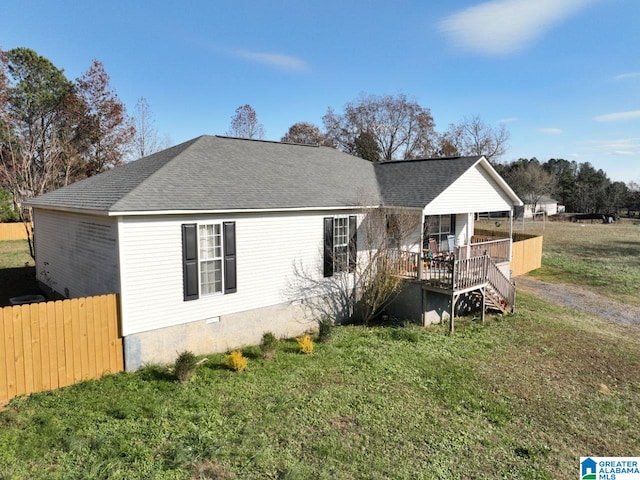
{"x": 520, "y": 397}
{"x": 604, "y": 258}
{"x": 15, "y": 254}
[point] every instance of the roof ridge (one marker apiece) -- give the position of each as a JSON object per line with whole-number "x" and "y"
{"x": 228, "y": 137}
{"x": 431, "y": 159}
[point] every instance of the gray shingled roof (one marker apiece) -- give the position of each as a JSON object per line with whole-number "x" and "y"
{"x": 211, "y": 173}
{"x": 415, "y": 183}
{"x": 219, "y": 173}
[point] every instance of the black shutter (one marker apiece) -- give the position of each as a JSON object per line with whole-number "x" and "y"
{"x": 190, "y": 261}
{"x": 353, "y": 242}
{"x": 453, "y": 224}
{"x": 229, "y": 238}
{"x": 328, "y": 246}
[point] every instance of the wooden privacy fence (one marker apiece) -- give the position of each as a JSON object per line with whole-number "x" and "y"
{"x": 526, "y": 255}
{"x": 526, "y": 252}
{"x": 13, "y": 231}
{"x": 49, "y": 345}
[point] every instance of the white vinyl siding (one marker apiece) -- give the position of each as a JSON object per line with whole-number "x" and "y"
{"x": 152, "y": 279}
{"x": 474, "y": 191}
{"x": 76, "y": 255}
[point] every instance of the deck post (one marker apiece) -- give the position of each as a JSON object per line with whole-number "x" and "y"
{"x": 482, "y": 291}
{"x": 454, "y": 299}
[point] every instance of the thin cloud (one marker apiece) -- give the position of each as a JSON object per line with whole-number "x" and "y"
{"x": 277, "y": 60}
{"x": 622, "y": 152}
{"x": 501, "y": 27}
{"x": 551, "y": 131}
{"x": 618, "y": 116}
{"x": 507, "y": 120}
{"x": 625, "y": 76}
{"x": 614, "y": 147}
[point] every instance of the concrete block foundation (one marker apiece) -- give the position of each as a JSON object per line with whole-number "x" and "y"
{"x": 203, "y": 337}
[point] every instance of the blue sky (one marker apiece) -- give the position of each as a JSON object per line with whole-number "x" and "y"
{"x": 563, "y": 75}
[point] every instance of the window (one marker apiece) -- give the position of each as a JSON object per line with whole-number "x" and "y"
{"x": 439, "y": 227}
{"x": 340, "y": 244}
{"x": 209, "y": 259}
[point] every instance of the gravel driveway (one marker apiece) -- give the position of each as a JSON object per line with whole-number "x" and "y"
{"x": 578, "y": 298}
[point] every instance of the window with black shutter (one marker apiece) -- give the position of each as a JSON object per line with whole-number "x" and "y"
{"x": 209, "y": 259}
{"x": 340, "y": 244}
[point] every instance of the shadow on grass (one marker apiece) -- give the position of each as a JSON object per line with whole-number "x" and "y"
{"x": 16, "y": 282}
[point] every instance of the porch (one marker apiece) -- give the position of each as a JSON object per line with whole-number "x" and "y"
{"x": 467, "y": 270}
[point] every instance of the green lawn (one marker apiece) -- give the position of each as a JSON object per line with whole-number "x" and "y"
{"x": 604, "y": 258}
{"x": 520, "y": 397}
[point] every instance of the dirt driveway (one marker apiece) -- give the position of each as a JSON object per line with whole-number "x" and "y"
{"x": 578, "y": 298}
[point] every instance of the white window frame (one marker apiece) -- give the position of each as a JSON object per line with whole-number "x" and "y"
{"x": 340, "y": 231}
{"x": 217, "y": 257}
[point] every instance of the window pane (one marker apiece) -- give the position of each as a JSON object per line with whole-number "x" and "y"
{"x": 341, "y": 259}
{"x": 445, "y": 224}
{"x": 210, "y": 240}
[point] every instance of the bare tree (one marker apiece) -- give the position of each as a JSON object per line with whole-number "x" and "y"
{"x": 401, "y": 127}
{"x": 362, "y": 294}
{"x": 472, "y": 136}
{"x": 109, "y": 131}
{"x": 307, "y": 134}
{"x": 530, "y": 181}
{"x": 145, "y": 139}
{"x": 244, "y": 124}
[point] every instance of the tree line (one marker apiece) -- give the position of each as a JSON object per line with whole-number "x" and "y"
{"x": 577, "y": 186}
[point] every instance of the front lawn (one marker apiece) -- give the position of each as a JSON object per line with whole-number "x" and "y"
{"x": 520, "y": 397}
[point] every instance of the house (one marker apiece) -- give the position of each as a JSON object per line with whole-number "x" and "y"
{"x": 201, "y": 240}
{"x": 546, "y": 205}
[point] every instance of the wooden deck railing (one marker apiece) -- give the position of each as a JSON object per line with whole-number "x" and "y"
{"x": 502, "y": 285}
{"x": 457, "y": 275}
{"x": 496, "y": 248}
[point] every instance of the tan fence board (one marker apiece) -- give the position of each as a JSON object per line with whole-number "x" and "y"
{"x": 19, "y": 350}
{"x": 4, "y": 387}
{"x": 10, "y": 356}
{"x": 91, "y": 335}
{"x": 61, "y": 354}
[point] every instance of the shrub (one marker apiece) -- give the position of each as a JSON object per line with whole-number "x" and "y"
{"x": 185, "y": 366}
{"x": 236, "y": 361}
{"x": 325, "y": 328}
{"x": 268, "y": 345}
{"x": 306, "y": 344}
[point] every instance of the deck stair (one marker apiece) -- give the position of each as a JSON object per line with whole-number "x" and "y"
{"x": 500, "y": 292}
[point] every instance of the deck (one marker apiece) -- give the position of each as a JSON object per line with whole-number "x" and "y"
{"x": 456, "y": 274}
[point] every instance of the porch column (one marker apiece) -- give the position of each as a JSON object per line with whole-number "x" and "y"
{"x": 471, "y": 227}
{"x": 421, "y": 247}
{"x": 510, "y": 233}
